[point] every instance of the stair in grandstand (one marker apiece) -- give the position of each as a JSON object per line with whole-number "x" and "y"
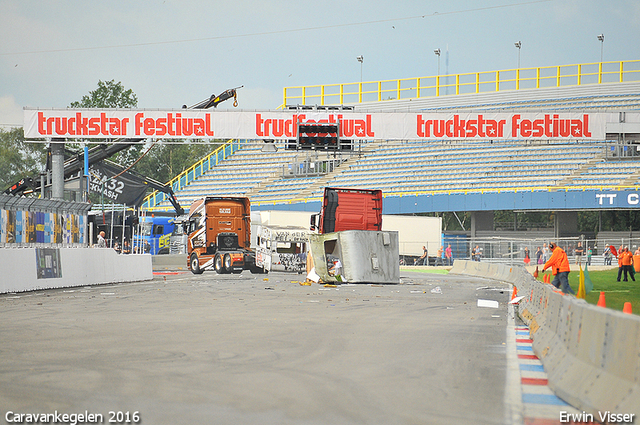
{"x": 575, "y": 174}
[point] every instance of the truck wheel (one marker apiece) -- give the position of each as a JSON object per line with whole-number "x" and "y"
{"x": 227, "y": 263}
{"x": 194, "y": 264}
{"x": 218, "y": 265}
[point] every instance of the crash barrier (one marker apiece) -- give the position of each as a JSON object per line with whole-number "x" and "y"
{"x": 590, "y": 354}
{"x": 28, "y": 269}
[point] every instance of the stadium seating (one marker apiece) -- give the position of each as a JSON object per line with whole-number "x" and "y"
{"x": 400, "y": 167}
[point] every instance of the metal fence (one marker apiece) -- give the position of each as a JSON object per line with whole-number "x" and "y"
{"x": 515, "y": 251}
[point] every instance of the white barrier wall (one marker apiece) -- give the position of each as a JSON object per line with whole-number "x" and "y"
{"x": 27, "y": 269}
{"x": 591, "y": 354}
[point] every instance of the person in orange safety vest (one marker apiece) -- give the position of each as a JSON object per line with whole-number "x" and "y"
{"x": 626, "y": 261}
{"x": 559, "y": 264}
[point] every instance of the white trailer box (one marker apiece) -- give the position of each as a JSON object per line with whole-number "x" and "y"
{"x": 367, "y": 256}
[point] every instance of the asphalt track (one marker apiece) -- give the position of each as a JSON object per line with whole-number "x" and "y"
{"x": 260, "y": 349}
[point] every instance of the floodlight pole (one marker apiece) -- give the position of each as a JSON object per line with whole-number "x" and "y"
{"x": 601, "y": 39}
{"x": 518, "y": 45}
{"x": 360, "y": 59}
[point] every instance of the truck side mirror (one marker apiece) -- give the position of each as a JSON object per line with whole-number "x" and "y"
{"x": 313, "y": 223}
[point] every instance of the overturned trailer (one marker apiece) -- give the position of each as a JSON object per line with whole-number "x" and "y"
{"x": 351, "y": 246}
{"x": 366, "y": 256}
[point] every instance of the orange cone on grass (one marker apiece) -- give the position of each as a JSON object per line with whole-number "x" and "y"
{"x": 601, "y": 301}
{"x": 627, "y": 308}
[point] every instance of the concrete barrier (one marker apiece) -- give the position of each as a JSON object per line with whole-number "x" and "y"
{"x": 591, "y": 354}
{"x": 28, "y": 269}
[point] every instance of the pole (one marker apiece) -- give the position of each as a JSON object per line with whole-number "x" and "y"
{"x": 57, "y": 169}
{"x": 85, "y": 196}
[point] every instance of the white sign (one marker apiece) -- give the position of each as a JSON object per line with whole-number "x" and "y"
{"x": 202, "y": 124}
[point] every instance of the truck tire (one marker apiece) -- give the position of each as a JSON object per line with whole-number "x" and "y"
{"x": 227, "y": 263}
{"x": 218, "y": 264}
{"x": 194, "y": 264}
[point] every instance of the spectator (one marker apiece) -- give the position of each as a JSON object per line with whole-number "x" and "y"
{"x": 126, "y": 249}
{"x": 579, "y": 251}
{"x": 559, "y": 264}
{"x": 545, "y": 253}
{"x": 607, "y": 256}
{"x": 424, "y": 258}
{"x": 448, "y": 255}
{"x": 627, "y": 264}
{"x": 527, "y": 257}
{"x": 478, "y": 253}
{"x": 102, "y": 243}
{"x": 620, "y": 265}
{"x": 439, "y": 257}
{"x": 539, "y": 256}
{"x": 589, "y": 254}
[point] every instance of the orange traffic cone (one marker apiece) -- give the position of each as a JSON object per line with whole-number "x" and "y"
{"x": 627, "y": 308}
{"x": 536, "y": 273}
{"x": 546, "y": 278}
{"x": 601, "y": 301}
{"x": 515, "y": 292}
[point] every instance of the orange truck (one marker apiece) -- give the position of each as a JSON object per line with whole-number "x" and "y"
{"x": 219, "y": 235}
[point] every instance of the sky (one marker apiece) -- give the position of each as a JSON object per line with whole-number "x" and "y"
{"x": 175, "y": 52}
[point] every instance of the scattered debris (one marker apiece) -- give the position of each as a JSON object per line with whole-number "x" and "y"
{"x": 436, "y": 290}
{"x": 488, "y": 303}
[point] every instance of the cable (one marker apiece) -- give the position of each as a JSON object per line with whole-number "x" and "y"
{"x": 285, "y": 31}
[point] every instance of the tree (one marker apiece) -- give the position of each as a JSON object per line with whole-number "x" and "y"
{"x": 110, "y": 94}
{"x": 19, "y": 159}
{"x": 165, "y": 161}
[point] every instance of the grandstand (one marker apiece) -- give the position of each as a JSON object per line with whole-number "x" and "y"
{"x": 279, "y": 178}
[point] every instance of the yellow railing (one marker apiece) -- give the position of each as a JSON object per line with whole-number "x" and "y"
{"x": 466, "y": 83}
{"x": 191, "y": 173}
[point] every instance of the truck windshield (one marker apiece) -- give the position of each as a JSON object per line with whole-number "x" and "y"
{"x": 146, "y": 229}
{"x": 178, "y": 229}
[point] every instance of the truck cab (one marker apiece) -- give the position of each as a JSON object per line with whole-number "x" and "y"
{"x": 348, "y": 209}
{"x": 219, "y": 235}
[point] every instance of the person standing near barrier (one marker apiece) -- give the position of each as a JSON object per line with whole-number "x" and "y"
{"x": 545, "y": 253}
{"x": 449, "y": 255}
{"x": 559, "y": 264}
{"x": 102, "y": 243}
{"x": 620, "y": 266}
{"x": 579, "y": 252}
{"x": 439, "y": 257}
{"x": 627, "y": 264}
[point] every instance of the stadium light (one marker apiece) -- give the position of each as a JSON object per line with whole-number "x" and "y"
{"x": 518, "y": 45}
{"x": 437, "y": 52}
{"x": 360, "y": 59}
{"x": 601, "y": 39}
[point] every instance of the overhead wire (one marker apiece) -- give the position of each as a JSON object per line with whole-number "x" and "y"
{"x": 275, "y": 32}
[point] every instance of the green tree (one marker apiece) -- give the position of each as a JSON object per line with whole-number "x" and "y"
{"x": 110, "y": 94}
{"x": 164, "y": 161}
{"x": 19, "y": 159}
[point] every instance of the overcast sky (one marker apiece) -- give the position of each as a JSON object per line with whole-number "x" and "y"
{"x": 175, "y": 52}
